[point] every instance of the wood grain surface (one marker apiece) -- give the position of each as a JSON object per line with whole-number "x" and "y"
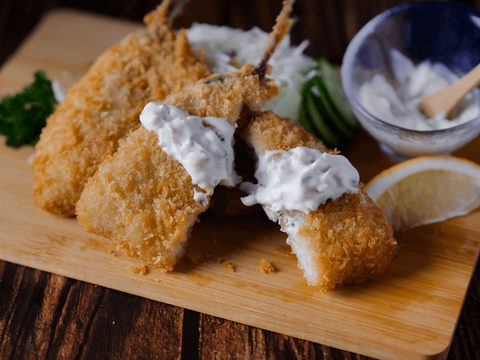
{"x": 48, "y": 316}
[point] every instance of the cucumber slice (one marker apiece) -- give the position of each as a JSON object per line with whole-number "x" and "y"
{"x": 314, "y": 116}
{"x": 334, "y": 92}
{"x": 302, "y": 118}
{"x": 332, "y": 117}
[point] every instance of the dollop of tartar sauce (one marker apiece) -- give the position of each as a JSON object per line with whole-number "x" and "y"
{"x": 228, "y": 49}
{"x": 299, "y": 179}
{"x": 400, "y": 105}
{"x": 203, "y": 145}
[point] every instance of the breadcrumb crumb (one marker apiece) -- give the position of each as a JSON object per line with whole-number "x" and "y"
{"x": 142, "y": 270}
{"x": 265, "y": 267}
{"x": 229, "y": 266}
{"x": 111, "y": 253}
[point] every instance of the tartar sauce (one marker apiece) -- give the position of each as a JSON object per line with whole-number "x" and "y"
{"x": 400, "y": 105}
{"x": 203, "y": 145}
{"x": 299, "y": 179}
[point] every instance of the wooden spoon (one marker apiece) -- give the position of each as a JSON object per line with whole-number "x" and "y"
{"x": 448, "y": 98}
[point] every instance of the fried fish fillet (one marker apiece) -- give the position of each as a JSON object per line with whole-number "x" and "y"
{"x": 344, "y": 240}
{"x": 104, "y": 105}
{"x": 141, "y": 198}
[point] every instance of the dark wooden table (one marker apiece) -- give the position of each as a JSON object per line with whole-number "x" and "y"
{"x": 43, "y": 315}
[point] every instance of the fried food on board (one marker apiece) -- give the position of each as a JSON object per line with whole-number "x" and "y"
{"x": 141, "y": 198}
{"x": 104, "y": 106}
{"x": 344, "y": 240}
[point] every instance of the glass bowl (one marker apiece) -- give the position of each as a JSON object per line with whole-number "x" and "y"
{"x": 446, "y": 32}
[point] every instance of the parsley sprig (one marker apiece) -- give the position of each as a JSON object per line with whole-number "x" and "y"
{"x": 23, "y": 115}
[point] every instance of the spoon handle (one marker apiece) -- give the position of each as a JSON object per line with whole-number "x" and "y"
{"x": 448, "y": 98}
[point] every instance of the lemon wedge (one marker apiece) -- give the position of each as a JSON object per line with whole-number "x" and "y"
{"x": 425, "y": 190}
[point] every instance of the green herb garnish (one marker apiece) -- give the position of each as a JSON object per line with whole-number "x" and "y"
{"x": 23, "y": 115}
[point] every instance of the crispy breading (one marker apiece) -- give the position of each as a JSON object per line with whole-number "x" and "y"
{"x": 224, "y": 95}
{"x": 104, "y": 105}
{"x": 141, "y": 198}
{"x": 266, "y": 131}
{"x": 265, "y": 267}
{"x": 344, "y": 240}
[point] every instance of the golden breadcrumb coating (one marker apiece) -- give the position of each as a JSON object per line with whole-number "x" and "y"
{"x": 266, "y": 131}
{"x": 104, "y": 105}
{"x": 224, "y": 95}
{"x": 350, "y": 239}
{"x": 344, "y": 240}
{"x": 141, "y": 198}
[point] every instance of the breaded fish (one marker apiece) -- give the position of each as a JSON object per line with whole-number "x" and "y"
{"x": 143, "y": 199}
{"x": 344, "y": 240}
{"x": 104, "y": 105}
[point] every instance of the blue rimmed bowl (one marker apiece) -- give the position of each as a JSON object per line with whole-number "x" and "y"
{"x": 441, "y": 31}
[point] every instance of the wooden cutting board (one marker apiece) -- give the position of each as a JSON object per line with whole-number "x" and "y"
{"x": 409, "y": 312}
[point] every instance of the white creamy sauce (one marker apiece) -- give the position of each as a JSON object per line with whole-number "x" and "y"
{"x": 228, "y": 49}
{"x": 204, "y": 146}
{"x": 291, "y": 222}
{"x": 299, "y": 179}
{"x": 400, "y": 105}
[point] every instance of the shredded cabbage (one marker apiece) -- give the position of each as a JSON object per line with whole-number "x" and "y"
{"x": 228, "y": 49}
